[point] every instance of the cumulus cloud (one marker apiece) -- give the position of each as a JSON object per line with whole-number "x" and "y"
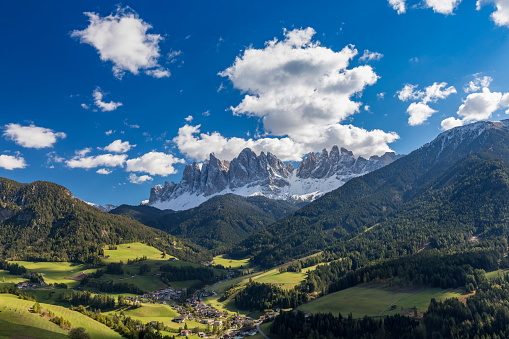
{"x": 370, "y": 56}
{"x": 478, "y": 106}
{"x": 10, "y": 162}
{"x": 154, "y": 163}
{"x": 189, "y": 118}
{"x": 122, "y": 38}
{"x": 451, "y": 123}
{"x": 442, "y": 6}
{"x": 104, "y": 106}
{"x": 477, "y": 84}
{"x": 102, "y": 160}
{"x": 32, "y": 136}
{"x": 501, "y": 14}
{"x": 430, "y": 94}
{"x": 134, "y": 179}
{"x": 398, "y": 5}
{"x": 118, "y": 146}
{"x": 104, "y": 171}
{"x": 420, "y": 111}
{"x": 296, "y": 82}
{"x": 82, "y": 152}
{"x": 198, "y": 145}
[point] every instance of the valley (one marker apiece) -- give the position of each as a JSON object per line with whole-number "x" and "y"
{"x": 402, "y": 248}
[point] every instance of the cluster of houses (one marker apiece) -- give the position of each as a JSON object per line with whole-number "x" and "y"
{"x": 27, "y": 285}
{"x": 208, "y": 315}
{"x": 166, "y": 294}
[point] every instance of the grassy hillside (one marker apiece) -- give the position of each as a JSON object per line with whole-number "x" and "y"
{"x": 16, "y": 319}
{"x": 377, "y": 299}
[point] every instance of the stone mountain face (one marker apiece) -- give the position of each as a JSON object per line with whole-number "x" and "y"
{"x": 264, "y": 174}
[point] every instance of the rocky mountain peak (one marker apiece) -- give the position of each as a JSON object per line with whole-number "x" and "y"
{"x": 264, "y": 174}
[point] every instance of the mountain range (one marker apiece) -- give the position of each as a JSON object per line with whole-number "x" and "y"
{"x": 450, "y": 193}
{"x": 250, "y": 174}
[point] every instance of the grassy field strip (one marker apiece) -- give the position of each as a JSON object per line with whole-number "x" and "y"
{"x": 8, "y": 302}
{"x": 56, "y": 272}
{"x": 231, "y": 263}
{"x": 161, "y": 313}
{"x": 494, "y": 274}
{"x": 376, "y": 300}
{"x": 133, "y": 251}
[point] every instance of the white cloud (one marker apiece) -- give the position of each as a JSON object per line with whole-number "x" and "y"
{"x": 198, "y": 145}
{"x": 477, "y": 84}
{"x": 154, "y": 163}
{"x": 408, "y": 93}
{"x": 380, "y": 96}
{"x": 82, "y": 152}
{"x": 158, "y": 73}
{"x": 370, "y": 56}
{"x": 10, "y": 162}
{"x": 118, "y": 146}
{"x": 172, "y": 56}
{"x": 104, "y": 106}
{"x": 54, "y": 157}
{"x": 501, "y": 14}
{"x": 478, "y": 106}
{"x": 104, "y": 171}
{"x": 296, "y": 82}
{"x": 122, "y": 38}
{"x": 32, "y": 136}
{"x": 442, "y": 6}
{"x": 189, "y": 118}
{"x": 103, "y": 160}
{"x": 85, "y": 106}
{"x": 430, "y": 94}
{"x": 206, "y": 113}
{"x": 109, "y": 132}
{"x": 398, "y": 5}
{"x": 134, "y": 179}
{"x": 451, "y": 123}
{"x": 419, "y": 113}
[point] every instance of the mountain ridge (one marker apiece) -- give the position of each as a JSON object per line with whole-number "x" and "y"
{"x": 250, "y": 174}
{"x": 381, "y": 201}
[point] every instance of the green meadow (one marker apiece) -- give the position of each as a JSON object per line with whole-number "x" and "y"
{"x": 56, "y": 272}
{"x": 133, "y": 251}
{"x": 17, "y": 321}
{"x": 376, "y": 300}
{"x": 231, "y": 263}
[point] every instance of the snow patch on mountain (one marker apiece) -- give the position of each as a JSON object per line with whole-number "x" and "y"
{"x": 250, "y": 174}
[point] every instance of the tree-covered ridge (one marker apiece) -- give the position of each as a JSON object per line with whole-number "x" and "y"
{"x": 43, "y": 221}
{"x": 223, "y": 220}
{"x": 438, "y": 196}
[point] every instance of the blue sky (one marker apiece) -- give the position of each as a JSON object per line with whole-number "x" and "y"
{"x": 113, "y": 102}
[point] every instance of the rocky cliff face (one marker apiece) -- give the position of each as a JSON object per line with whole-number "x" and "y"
{"x": 265, "y": 174}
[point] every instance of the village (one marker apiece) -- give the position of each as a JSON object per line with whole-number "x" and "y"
{"x": 219, "y": 324}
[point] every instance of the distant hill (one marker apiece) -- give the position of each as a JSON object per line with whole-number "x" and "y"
{"x": 450, "y": 193}
{"x": 43, "y": 221}
{"x": 221, "y": 221}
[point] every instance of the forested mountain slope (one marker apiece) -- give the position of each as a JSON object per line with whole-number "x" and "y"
{"x": 447, "y": 193}
{"x": 220, "y": 221}
{"x": 43, "y": 221}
